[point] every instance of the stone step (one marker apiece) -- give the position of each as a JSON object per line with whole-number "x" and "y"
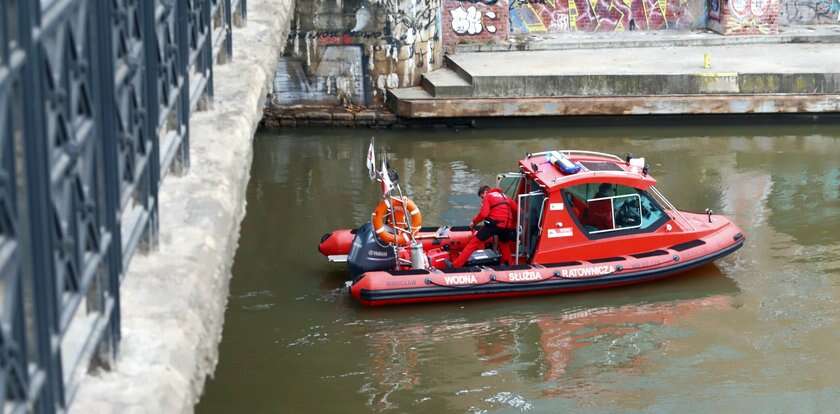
{"x": 446, "y": 82}
{"x": 744, "y": 69}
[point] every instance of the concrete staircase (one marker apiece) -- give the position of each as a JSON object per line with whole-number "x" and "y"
{"x": 672, "y": 80}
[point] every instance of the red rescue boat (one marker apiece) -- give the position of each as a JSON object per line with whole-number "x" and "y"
{"x": 586, "y": 220}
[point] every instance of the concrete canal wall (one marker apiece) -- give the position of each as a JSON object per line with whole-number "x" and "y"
{"x": 174, "y": 299}
{"x": 347, "y": 60}
{"x": 351, "y": 51}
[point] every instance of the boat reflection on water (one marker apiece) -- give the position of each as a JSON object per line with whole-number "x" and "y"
{"x": 517, "y": 352}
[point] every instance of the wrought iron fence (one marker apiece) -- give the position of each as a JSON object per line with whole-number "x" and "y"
{"x": 95, "y": 98}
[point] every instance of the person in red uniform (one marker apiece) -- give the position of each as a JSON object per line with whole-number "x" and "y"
{"x": 498, "y": 212}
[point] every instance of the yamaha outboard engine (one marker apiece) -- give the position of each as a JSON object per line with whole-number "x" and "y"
{"x": 368, "y": 254}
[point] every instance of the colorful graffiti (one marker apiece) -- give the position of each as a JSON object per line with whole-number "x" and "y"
{"x": 747, "y": 17}
{"x": 555, "y": 16}
{"x": 810, "y": 12}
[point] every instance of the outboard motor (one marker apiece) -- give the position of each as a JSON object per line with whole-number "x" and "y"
{"x": 368, "y": 254}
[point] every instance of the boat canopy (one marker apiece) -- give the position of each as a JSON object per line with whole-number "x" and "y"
{"x": 553, "y": 170}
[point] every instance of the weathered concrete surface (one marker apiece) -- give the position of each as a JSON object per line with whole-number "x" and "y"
{"x": 412, "y": 104}
{"x": 326, "y": 115}
{"x": 612, "y": 40}
{"x": 173, "y": 300}
{"x": 666, "y": 80}
{"x": 781, "y": 68}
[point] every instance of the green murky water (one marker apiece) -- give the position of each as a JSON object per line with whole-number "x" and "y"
{"x": 758, "y": 331}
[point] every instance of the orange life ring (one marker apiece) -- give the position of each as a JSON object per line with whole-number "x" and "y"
{"x": 381, "y": 219}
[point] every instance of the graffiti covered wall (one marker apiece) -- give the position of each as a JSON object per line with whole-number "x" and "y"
{"x": 810, "y": 12}
{"x": 355, "y": 49}
{"x": 470, "y": 21}
{"x": 557, "y": 16}
{"x": 734, "y": 17}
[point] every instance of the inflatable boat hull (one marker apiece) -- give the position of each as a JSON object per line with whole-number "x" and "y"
{"x": 417, "y": 286}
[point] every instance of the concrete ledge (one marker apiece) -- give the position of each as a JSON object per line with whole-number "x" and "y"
{"x": 614, "y": 105}
{"x": 735, "y": 69}
{"x": 651, "y": 84}
{"x": 173, "y": 300}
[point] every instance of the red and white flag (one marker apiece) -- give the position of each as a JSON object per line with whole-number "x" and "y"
{"x": 387, "y": 185}
{"x": 371, "y": 161}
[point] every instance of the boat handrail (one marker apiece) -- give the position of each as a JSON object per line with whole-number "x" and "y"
{"x": 581, "y": 152}
{"x": 671, "y": 207}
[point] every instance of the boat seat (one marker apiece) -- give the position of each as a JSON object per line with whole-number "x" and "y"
{"x": 484, "y": 257}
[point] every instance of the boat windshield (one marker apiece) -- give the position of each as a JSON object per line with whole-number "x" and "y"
{"x": 601, "y": 208}
{"x": 512, "y": 183}
{"x": 529, "y": 222}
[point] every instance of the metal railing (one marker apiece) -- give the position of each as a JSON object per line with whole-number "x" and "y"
{"x": 95, "y": 98}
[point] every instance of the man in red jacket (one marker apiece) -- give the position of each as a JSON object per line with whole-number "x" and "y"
{"x": 498, "y": 212}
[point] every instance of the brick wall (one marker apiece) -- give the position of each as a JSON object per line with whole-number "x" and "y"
{"x": 744, "y": 17}
{"x": 474, "y": 22}
{"x": 558, "y": 16}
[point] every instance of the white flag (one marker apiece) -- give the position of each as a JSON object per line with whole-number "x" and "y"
{"x": 387, "y": 185}
{"x": 371, "y": 161}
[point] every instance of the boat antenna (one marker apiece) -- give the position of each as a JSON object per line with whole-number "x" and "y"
{"x": 386, "y": 196}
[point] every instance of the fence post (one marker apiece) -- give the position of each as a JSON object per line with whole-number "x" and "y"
{"x": 107, "y": 350}
{"x": 36, "y": 227}
{"x": 182, "y": 158}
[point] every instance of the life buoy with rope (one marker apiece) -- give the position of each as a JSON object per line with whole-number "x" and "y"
{"x": 381, "y": 219}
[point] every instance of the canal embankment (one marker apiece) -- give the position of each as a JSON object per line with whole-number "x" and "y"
{"x": 735, "y": 78}
{"x": 447, "y": 59}
{"x": 173, "y": 299}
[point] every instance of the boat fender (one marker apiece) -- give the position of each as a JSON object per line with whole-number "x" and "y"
{"x": 432, "y": 282}
{"x": 559, "y": 273}
{"x": 492, "y": 277}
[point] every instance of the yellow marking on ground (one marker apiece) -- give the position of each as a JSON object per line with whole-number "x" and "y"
{"x": 716, "y": 74}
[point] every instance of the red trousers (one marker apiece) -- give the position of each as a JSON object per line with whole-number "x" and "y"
{"x": 505, "y": 249}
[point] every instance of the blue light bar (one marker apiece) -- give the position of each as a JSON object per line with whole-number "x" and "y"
{"x": 565, "y": 165}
